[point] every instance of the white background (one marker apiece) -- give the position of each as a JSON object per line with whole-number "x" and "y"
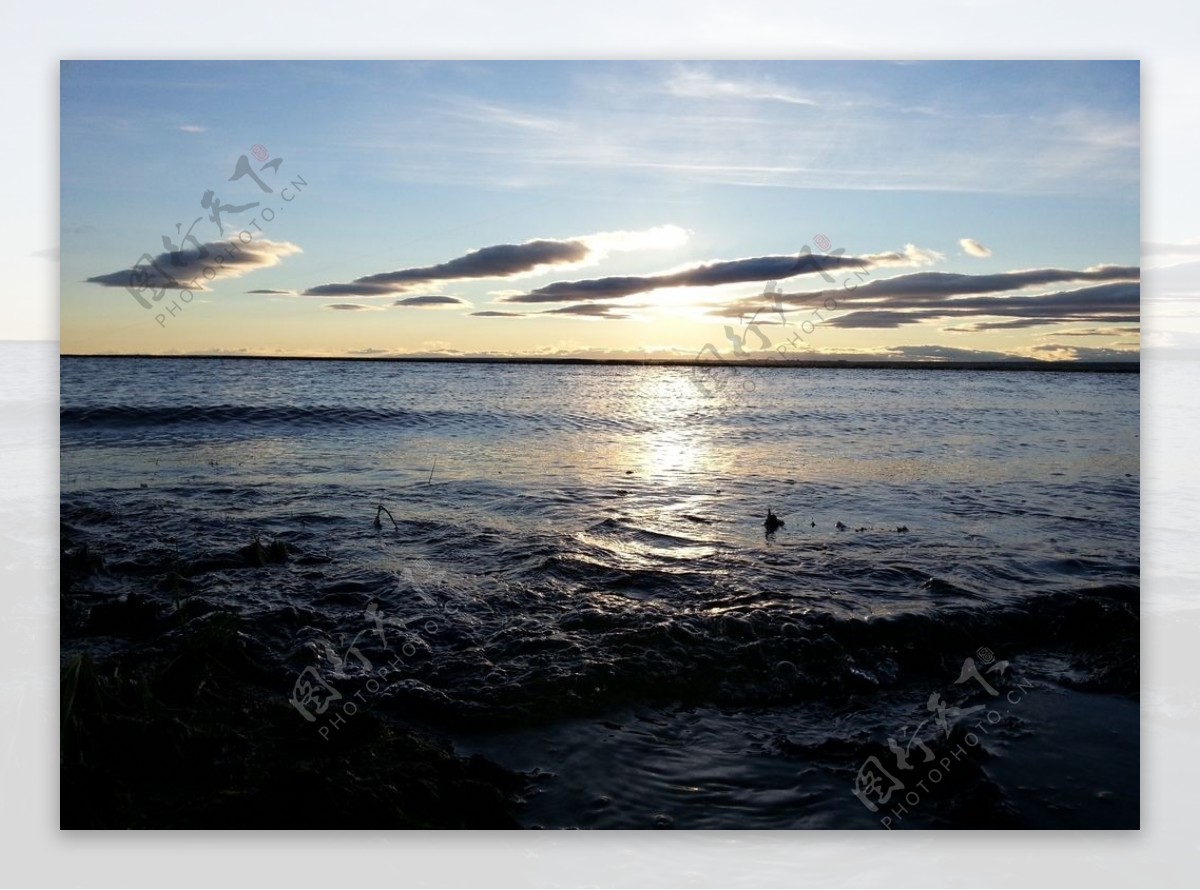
{"x": 34, "y": 852}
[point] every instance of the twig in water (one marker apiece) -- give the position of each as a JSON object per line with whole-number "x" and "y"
{"x": 383, "y": 509}
{"x": 431, "y": 469}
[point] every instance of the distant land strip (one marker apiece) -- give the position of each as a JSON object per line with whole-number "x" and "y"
{"x": 1109, "y": 367}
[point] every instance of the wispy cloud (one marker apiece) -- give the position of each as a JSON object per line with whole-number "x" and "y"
{"x": 350, "y": 307}
{"x": 1122, "y": 331}
{"x": 690, "y": 82}
{"x": 193, "y": 128}
{"x": 980, "y": 326}
{"x": 592, "y": 310}
{"x": 484, "y": 112}
{"x": 1098, "y": 129}
{"x": 730, "y": 124}
{"x": 973, "y": 248}
{"x": 911, "y": 255}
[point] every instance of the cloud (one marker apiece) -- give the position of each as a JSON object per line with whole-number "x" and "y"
{"x": 492, "y": 313}
{"x": 268, "y": 290}
{"x": 753, "y": 269}
{"x": 665, "y": 237}
{"x": 192, "y": 128}
{"x": 591, "y": 310}
{"x": 1065, "y": 352}
{"x": 188, "y": 269}
{"x": 696, "y": 83}
{"x": 730, "y": 123}
{"x": 368, "y": 351}
{"x": 911, "y": 255}
{"x": 497, "y": 261}
{"x": 1113, "y": 302}
{"x": 874, "y": 319}
{"x": 948, "y": 294}
{"x": 721, "y": 272}
{"x": 1096, "y": 332}
{"x": 431, "y": 300}
{"x": 978, "y": 326}
{"x": 508, "y": 261}
{"x": 949, "y": 353}
{"x": 351, "y": 290}
{"x": 973, "y": 248}
{"x": 983, "y": 302}
{"x": 349, "y": 307}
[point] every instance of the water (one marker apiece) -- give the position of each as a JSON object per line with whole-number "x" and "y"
{"x": 577, "y": 582}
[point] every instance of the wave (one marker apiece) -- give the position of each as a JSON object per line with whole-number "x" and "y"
{"x": 590, "y": 659}
{"x": 323, "y": 417}
{"x": 145, "y": 416}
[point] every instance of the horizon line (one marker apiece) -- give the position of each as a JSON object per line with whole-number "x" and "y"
{"x": 1014, "y": 364}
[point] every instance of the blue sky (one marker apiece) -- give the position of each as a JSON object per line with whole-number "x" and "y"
{"x": 489, "y": 185}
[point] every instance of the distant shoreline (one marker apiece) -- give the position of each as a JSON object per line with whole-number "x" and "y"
{"x": 1123, "y": 367}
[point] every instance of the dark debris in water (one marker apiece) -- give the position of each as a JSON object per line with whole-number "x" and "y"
{"x": 258, "y": 554}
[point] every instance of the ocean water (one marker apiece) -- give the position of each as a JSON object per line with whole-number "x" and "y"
{"x": 570, "y": 573}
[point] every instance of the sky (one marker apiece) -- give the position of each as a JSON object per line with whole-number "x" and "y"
{"x": 716, "y": 210}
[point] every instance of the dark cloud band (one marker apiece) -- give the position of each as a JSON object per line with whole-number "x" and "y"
{"x": 496, "y": 261}
{"x": 431, "y": 300}
{"x": 754, "y": 269}
{"x": 190, "y": 269}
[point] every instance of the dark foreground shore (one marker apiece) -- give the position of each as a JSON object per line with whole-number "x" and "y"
{"x": 174, "y": 716}
{"x": 170, "y": 721}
